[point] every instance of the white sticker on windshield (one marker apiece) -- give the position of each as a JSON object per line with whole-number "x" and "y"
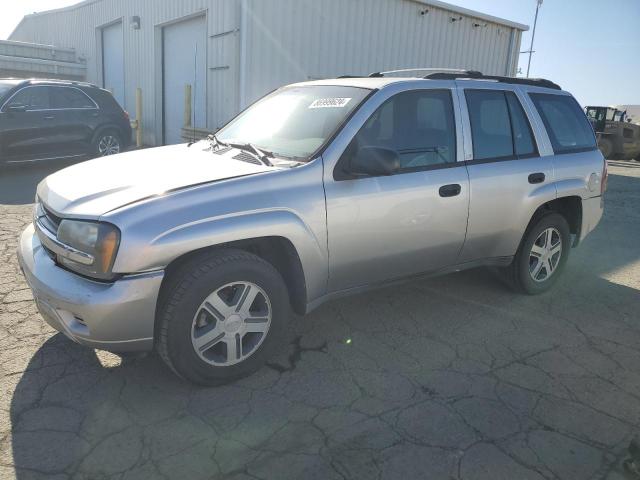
{"x": 330, "y": 103}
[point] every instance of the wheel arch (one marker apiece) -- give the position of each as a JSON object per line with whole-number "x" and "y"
{"x": 105, "y": 128}
{"x": 276, "y": 250}
{"x": 570, "y": 207}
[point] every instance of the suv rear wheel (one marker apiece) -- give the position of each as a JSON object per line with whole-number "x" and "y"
{"x": 107, "y": 143}
{"x": 542, "y": 255}
{"x": 222, "y": 316}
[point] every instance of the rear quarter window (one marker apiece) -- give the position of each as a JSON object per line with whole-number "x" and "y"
{"x": 568, "y": 127}
{"x": 104, "y": 99}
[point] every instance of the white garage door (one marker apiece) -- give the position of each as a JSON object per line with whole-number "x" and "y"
{"x": 185, "y": 54}
{"x": 113, "y": 61}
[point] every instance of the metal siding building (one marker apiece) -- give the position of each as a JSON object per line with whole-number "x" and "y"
{"x": 19, "y": 59}
{"x": 253, "y": 46}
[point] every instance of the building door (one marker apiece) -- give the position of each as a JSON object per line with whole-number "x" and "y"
{"x": 113, "y": 61}
{"x": 184, "y": 63}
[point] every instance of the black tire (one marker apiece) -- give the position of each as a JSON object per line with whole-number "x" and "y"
{"x": 518, "y": 273}
{"x": 606, "y": 147}
{"x": 108, "y": 136}
{"x": 185, "y": 292}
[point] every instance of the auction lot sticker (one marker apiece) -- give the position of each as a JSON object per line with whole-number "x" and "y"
{"x": 330, "y": 103}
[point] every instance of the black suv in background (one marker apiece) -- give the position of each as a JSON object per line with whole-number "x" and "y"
{"x": 56, "y": 119}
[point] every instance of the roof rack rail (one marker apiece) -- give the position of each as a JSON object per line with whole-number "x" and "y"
{"x": 470, "y": 74}
{"x": 404, "y": 70}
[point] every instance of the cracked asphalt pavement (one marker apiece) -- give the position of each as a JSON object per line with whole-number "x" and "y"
{"x": 450, "y": 378}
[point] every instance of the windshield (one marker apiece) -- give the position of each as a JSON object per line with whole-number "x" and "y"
{"x": 595, "y": 113}
{"x": 295, "y": 121}
{"x": 5, "y": 87}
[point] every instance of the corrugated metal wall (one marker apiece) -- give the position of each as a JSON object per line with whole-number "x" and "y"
{"x": 285, "y": 41}
{"x": 305, "y": 39}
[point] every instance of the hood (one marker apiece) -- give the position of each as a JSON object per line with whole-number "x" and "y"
{"x": 93, "y": 188}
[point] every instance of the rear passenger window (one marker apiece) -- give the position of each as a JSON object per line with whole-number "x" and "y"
{"x": 567, "y": 126}
{"x": 522, "y": 136}
{"x": 499, "y": 126}
{"x": 63, "y": 97}
{"x": 490, "y": 125}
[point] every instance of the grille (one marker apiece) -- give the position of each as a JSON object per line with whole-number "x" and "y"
{"x": 48, "y": 219}
{"x": 246, "y": 157}
{"x": 54, "y": 219}
{"x": 50, "y": 253}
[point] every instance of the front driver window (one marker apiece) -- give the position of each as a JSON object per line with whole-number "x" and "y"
{"x": 419, "y": 125}
{"x": 34, "y": 98}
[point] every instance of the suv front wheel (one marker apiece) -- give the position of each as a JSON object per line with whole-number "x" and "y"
{"x": 542, "y": 255}
{"x": 221, "y": 317}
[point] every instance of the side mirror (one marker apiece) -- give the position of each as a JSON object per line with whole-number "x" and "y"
{"x": 374, "y": 162}
{"x": 16, "y": 108}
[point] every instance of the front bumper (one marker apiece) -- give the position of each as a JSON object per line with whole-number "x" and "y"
{"x": 117, "y": 316}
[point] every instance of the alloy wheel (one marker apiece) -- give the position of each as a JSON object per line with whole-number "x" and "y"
{"x": 545, "y": 254}
{"x": 108, "y": 145}
{"x": 231, "y": 324}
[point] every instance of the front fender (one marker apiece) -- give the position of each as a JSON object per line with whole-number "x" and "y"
{"x": 287, "y": 203}
{"x": 208, "y": 232}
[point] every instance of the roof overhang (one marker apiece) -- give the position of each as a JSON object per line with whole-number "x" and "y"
{"x": 472, "y": 13}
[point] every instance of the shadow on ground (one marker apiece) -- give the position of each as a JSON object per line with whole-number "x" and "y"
{"x": 454, "y": 377}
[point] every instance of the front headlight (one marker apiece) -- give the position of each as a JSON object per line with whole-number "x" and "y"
{"x": 98, "y": 241}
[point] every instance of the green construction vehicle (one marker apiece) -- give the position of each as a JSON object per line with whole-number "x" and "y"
{"x": 617, "y": 137}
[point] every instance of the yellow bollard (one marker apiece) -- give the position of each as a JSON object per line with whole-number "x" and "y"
{"x": 187, "y": 105}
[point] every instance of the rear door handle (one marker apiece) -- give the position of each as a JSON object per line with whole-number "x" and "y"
{"x": 536, "y": 177}
{"x": 450, "y": 190}
{"x": 49, "y": 118}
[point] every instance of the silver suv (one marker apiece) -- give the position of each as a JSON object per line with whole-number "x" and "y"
{"x": 319, "y": 190}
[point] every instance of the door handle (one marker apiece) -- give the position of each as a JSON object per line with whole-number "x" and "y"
{"x": 49, "y": 118}
{"x": 450, "y": 190}
{"x": 536, "y": 177}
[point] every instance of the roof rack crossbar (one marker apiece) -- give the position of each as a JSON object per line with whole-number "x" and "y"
{"x": 536, "y": 82}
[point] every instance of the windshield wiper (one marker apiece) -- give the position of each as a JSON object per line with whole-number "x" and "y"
{"x": 262, "y": 155}
{"x": 213, "y": 139}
